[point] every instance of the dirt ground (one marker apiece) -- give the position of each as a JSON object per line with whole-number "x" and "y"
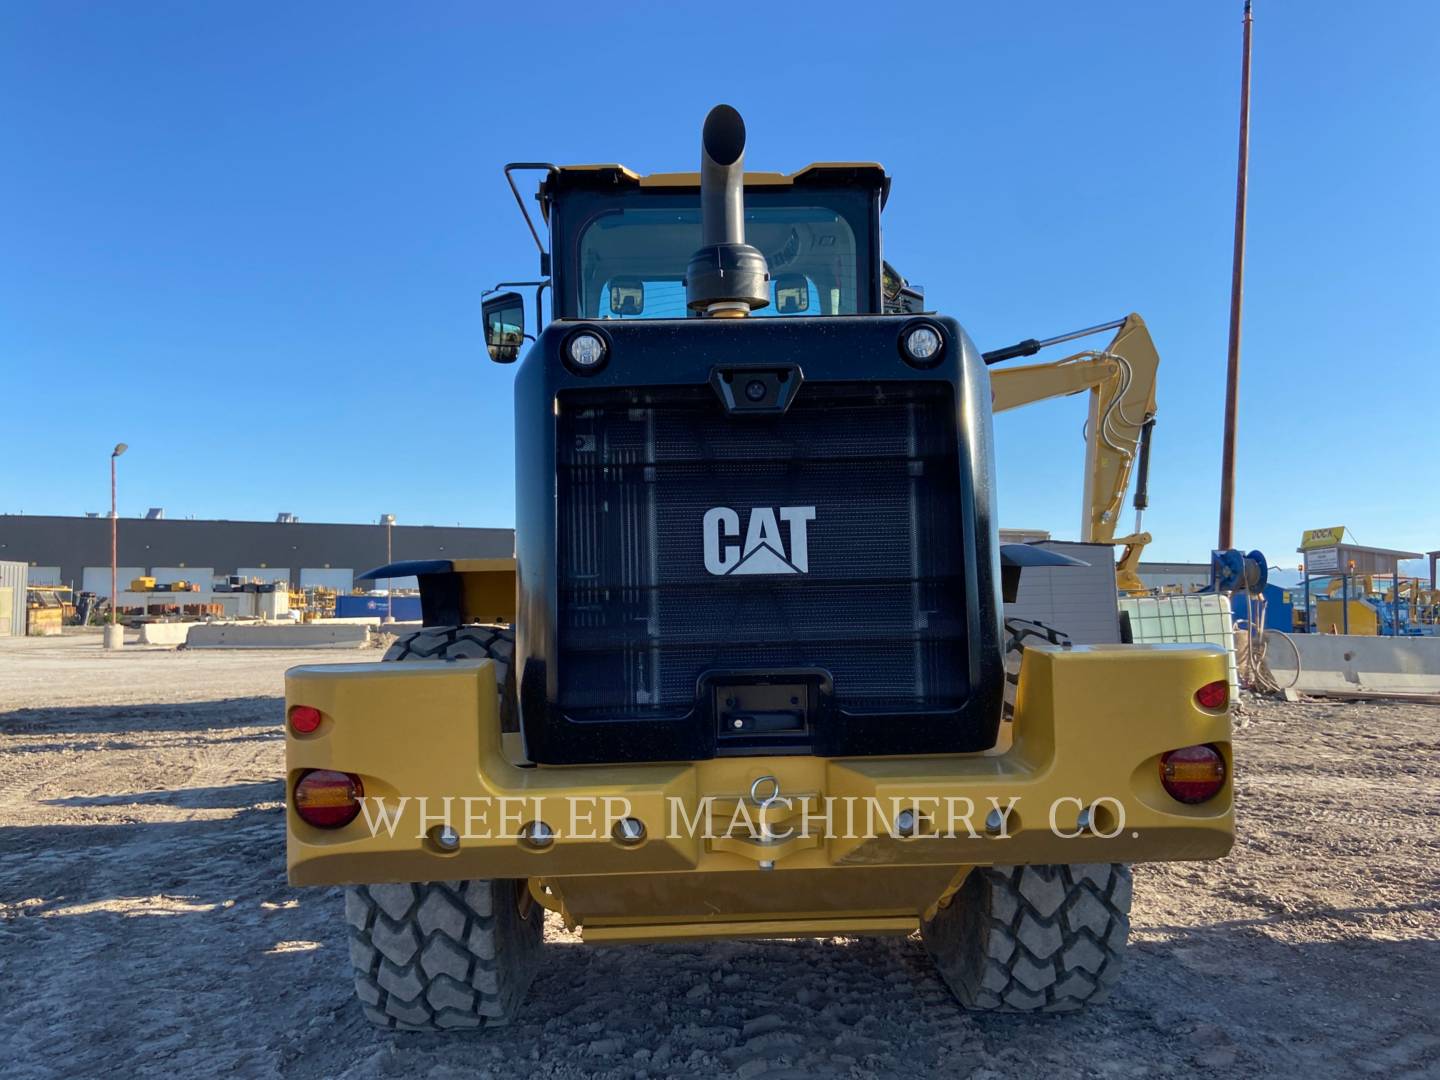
{"x": 146, "y": 927}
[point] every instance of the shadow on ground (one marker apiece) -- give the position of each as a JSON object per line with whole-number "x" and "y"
{"x": 212, "y": 797}
{"x": 130, "y": 719}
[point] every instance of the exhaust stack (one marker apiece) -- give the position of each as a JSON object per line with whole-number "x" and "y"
{"x": 726, "y": 278}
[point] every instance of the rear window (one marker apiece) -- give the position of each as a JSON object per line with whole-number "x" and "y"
{"x": 632, "y": 260}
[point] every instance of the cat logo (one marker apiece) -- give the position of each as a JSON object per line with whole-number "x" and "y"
{"x": 763, "y": 552}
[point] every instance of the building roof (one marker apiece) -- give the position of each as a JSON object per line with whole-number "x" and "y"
{"x": 1391, "y": 552}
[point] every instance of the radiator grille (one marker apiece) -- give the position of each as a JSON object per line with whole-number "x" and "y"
{"x": 879, "y": 604}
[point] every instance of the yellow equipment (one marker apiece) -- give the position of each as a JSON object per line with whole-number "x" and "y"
{"x": 1120, "y": 380}
{"x": 142, "y": 584}
{"x": 746, "y": 675}
{"x": 1330, "y": 617}
{"x": 48, "y": 609}
{"x": 1424, "y": 603}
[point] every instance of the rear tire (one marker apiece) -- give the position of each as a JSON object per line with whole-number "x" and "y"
{"x": 1017, "y": 633}
{"x": 473, "y": 642}
{"x": 1033, "y": 938}
{"x": 446, "y": 954}
{"x": 443, "y": 954}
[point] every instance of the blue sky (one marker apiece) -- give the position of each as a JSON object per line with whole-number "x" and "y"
{"x": 250, "y": 240}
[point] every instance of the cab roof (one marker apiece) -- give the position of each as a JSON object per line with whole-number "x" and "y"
{"x": 819, "y": 174}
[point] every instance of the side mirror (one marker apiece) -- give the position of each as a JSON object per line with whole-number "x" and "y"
{"x": 792, "y": 294}
{"x": 504, "y": 316}
{"x": 627, "y": 296}
{"x": 911, "y": 300}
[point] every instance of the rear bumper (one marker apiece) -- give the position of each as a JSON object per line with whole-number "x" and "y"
{"x": 1090, "y": 726}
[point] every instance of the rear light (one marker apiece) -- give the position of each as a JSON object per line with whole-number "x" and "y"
{"x": 304, "y": 719}
{"x": 328, "y": 799}
{"x": 1192, "y": 774}
{"x": 1213, "y": 695}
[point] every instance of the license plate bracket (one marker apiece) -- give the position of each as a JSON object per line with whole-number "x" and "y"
{"x": 771, "y": 710}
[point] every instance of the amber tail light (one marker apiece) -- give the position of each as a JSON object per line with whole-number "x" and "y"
{"x": 328, "y": 799}
{"x": 1192, "y": 774}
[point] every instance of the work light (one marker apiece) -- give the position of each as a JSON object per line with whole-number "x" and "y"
{"x": 585, "y": 351}
{"x": 921, "y": 344}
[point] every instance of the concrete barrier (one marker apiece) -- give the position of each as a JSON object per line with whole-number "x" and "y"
{"x": 1352, "y": 665}
{"x": 165, "y": 633}
{"x": 277, "y": 636}
{"x": 371, "y": 621}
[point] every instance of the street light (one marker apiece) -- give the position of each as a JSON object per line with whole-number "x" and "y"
{"x": 113, "y": 636}
{"x": 388, "y": 520}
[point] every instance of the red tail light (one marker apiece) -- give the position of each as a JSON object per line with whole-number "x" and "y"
{"x": 1213, "y": 695}
{"x": 1192, "y": 774}
{"x": 304, "y": 719}
{"x": 328, "y": 799}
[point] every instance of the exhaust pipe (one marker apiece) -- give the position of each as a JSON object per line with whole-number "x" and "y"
{"x": 726, "y": 278}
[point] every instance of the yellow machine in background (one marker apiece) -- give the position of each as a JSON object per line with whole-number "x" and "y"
{"x": 47, "y": 609}
{"x": 1330, "y": 617}
{"x": 1120, "y": 380}
{"x": 1366, "y": 601}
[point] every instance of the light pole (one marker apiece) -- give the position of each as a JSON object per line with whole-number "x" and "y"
{"x": 114, "y": 633}
{"x": 388, "y": 520}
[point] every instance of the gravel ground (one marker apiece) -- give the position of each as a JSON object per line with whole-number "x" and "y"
{"x": 146, "y": 927}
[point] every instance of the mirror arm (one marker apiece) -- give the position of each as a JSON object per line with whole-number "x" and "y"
{"x": 539, "y": 293}
{"x": 512, "y": 285}
{"x": 539, "y": 286}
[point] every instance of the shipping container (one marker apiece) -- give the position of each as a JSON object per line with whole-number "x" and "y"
{"x": 406, "y": 608}
{"x": 13, "y": 577}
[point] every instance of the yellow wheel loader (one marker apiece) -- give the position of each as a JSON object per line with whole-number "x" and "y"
{"x": 744, "y": 675}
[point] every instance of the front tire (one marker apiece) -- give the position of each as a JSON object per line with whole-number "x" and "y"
{"x": 1033, "y": 938}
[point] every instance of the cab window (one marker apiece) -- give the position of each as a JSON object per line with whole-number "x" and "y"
{"x": 632, "y": 259}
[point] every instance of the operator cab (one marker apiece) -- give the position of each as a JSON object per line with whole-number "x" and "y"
{"x": 627, "y": 240}
{"x": 621, "y": 243}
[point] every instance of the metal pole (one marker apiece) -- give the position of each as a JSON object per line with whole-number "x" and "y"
{"x": 114, "y": 544}
{"x": 1237, "y": 292}
{"x": 390, "y": 584}
{"x": 114, "y": 635}
{"x": 1345, "y": 602}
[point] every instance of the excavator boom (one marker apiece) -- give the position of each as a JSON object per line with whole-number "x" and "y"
{"x": 1120, "y": 380}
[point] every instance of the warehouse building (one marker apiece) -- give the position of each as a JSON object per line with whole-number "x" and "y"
{"x": 75, "y": 551}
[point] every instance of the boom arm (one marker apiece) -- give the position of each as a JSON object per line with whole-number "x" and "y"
{"x": 1121, "y": 382}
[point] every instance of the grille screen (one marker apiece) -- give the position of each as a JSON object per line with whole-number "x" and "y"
{"x": 833, "y": 542}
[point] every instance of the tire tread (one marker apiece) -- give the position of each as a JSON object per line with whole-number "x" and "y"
{"x": 441, "y": 955}
{"x": 1033, "y": 938}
